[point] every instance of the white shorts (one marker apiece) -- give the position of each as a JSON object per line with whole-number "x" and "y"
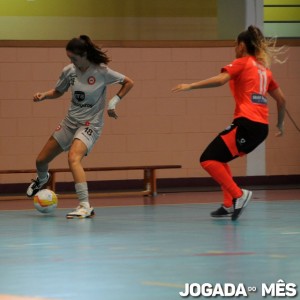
{"x": 66, "y": 132}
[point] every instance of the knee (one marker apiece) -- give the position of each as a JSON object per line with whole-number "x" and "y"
{"x": 205, "y": 164}
{"x": 73, "y": 158}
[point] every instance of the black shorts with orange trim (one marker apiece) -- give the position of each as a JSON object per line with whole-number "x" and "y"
{"x": 238, "y": 139}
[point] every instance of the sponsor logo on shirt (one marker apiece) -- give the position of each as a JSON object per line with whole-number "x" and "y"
{"x": 79, "y": 96}
{"x": 82, "y": 105}
{"x": 258, "y": 99}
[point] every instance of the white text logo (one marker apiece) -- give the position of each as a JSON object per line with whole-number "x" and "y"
{"x": 278, "y": 289}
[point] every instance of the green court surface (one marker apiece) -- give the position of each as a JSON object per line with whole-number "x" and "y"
{"x": 149, "y": 252}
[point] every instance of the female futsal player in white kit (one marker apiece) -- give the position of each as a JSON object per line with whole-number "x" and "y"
{"x": 87, "y": 76}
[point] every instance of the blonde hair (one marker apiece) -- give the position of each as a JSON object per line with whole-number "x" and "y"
{"x": 263, "y": 49}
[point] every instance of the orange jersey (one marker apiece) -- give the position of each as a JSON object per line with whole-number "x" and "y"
{"x": 249, "y": 83}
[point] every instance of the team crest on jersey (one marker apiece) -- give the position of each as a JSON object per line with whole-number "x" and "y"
{"x": 91, "y": 80}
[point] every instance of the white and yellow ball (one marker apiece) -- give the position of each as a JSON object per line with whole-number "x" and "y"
{"x": 45, "y": 201}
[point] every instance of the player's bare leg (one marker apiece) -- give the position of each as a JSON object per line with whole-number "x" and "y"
{"x": 76, "y": 154}
{"x": 48, "y": 153}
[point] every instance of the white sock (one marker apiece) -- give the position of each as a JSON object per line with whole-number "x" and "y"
{"x": 82, "y": 194}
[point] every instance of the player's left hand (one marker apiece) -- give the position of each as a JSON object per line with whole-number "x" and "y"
{"x": 112, "y": 113}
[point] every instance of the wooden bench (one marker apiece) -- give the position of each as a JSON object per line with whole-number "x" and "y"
{"x": 150, "y": 180}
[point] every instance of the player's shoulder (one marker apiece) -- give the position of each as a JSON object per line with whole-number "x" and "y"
{"x": 242, "y": 60}
{"x": 69, "y": 69}
{"x": 101, "y": 68}
{"x": 236, "y": 63}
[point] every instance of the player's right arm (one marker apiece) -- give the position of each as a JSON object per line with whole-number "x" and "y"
{"x": 211, "y": 82}
{"x": 52, "y": 94}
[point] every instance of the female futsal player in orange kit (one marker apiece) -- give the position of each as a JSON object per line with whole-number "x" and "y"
{"x": 250, "y": 80}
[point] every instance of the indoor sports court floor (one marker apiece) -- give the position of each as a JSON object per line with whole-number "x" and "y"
{"x": 148, "y": 252}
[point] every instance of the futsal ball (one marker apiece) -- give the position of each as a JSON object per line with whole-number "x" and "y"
{"x": 45, "y": 201}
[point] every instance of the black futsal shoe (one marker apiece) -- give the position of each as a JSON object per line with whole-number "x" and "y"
{"x": 36, "y": 185}
{"x": 222, "y": 212}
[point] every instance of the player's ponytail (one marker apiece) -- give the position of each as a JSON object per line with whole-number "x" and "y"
{"x": 84, "y": 45}
{"x": 263, "y": 49}
{"x": 94, "y": 53}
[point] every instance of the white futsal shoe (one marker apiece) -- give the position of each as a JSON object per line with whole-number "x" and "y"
{"x": 239, "y": 204}
{"x": 81, "y": 212}
{"x": 36, "y": 185}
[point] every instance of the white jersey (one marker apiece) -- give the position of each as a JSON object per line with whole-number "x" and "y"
{"x": 88, "y": 92}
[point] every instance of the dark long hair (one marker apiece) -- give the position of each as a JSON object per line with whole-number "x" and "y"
{"x": 260, "y": 47}
{"x": 84, "y": 44}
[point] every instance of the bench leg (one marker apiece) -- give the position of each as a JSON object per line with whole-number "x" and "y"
{"x": 150, "y": 181}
